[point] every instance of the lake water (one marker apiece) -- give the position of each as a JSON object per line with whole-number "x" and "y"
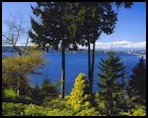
{"x": 76, "y": 63}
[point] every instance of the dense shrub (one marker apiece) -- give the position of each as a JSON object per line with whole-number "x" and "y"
{"x": 46, "y": 92}
{"x": 88, "y": 112}
{"x": 12, "y": 109}
{"x": 48, "y": 89}
{"x": 59, "y": 107}
{"x": 58, "y": 112}
{"x": 19, "y": 109}
{"x": 56, "y": 103}
{"x": 36, "y": 95}
{"x": 9, "y": 94}
{"x": 139, "y": 111}
{"x": 100, "y": 104}
{"x": 23, "y": 99}
{"x": 34, "y": 110}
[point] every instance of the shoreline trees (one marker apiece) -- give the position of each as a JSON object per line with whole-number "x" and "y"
{"x": 69, "y": 24}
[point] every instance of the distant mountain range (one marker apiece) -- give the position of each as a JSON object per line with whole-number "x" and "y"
{"x": 122, "y": 49}
{"x": 119, "y": 45}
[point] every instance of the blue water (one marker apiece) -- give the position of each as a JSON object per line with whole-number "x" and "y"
{"x": 76, "y": 63}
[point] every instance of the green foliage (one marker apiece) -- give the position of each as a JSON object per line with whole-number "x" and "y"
{"x": 111, "y": 90}
{"x": 88, "y": 112}
{"x": 139, "y": 111}
{"x": 23, "y": 64}
{"x": 12, "y": 109}
{"x": 58, "y": 107}
{"x": 101, "y": 104}
{"x": 23, "y": 99}
{"x": 16, "y": 69}
{"x": 69, "y": 23}
{"x": 48, "y": 89}
{"x": 10, "y": 94}
{"x": 18, "y": 109}
{"x": 137, "y": 84}
{"x": 63, "y": 112}
{"x": 57, "y": 25}
{"x": 36, "y": 95}
{"x": 79, "y": 97}
{"x": 65, "y": 28}
{"x": 43, "y": 94}
{"x": 56, "y": 103}
{"x": 34, "y": 110}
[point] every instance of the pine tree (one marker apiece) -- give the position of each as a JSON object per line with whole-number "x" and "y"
{"x": 55, "y": 24}
{"x": 111, "y": 88}
{"x": 138, "y": 80}
{"x": 79, "y": 98}
{"x": 97, "y": 18}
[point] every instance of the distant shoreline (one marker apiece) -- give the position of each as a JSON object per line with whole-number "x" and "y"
{"x": 136, "y": 51}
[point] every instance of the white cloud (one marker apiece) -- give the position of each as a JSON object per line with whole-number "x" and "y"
{"x": 118, "y": 44}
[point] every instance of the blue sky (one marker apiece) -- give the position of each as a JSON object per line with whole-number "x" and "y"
{"x": 130, "y": 29}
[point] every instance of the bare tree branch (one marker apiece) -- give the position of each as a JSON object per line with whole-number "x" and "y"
{"x": 15, "y": 31}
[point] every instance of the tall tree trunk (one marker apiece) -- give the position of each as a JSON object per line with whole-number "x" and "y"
{"x": 89, "y": 61}
{"x": 123, "y": 82}
{"x": 18, "y": 86}
{"x": 19, "y": 79}
{"x": 63, "y": 72}
{"x": 110, "y": 104}
{"x": 92, "y": 68}
{"x": 47, "y": 49}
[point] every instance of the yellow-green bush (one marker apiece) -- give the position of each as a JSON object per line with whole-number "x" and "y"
{"x": 88, "y": 112}
{"x": 13, "y": 109}
{"x": 78, "y": 98}
{"x": 100, "y": 104}
{"x": 58, "y": 112}
{"x": 57, "y": 103}
{"x": 24, "y": 64}
{"x": 10, "y": 94}
{"x": 34, "y": 110}
{"x": 16, "y": 69}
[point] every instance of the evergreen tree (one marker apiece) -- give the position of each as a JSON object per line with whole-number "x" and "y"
{"x": 96, "y": 18}
{"x": 48, "y": 89}
{"x": 55, "y": 25}
{"x": 110, "y": 87}
{"x": 73, "y": 23}
{"x": 36, "y": 95}
{"x": 138, "y": 80}
{"x": 79, "y": 98}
